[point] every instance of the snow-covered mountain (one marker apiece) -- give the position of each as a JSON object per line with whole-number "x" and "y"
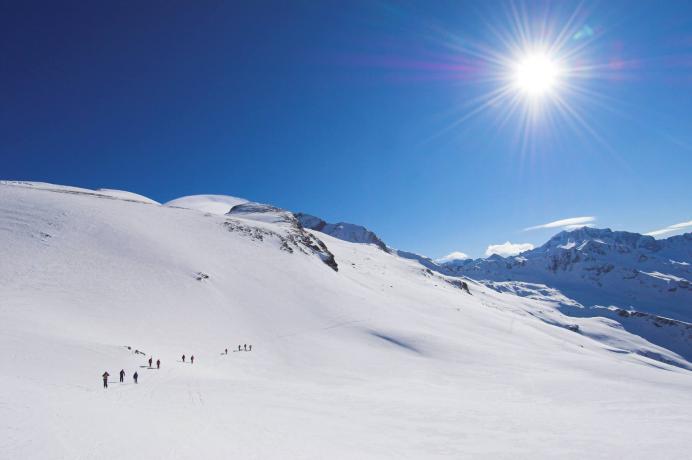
{"x": 382, "y": 358}
{"x": 212, "y": 204}
{"x": 642, "y": 283}
{"x": 342, "y": 230}
{"x": 603, "y": 267}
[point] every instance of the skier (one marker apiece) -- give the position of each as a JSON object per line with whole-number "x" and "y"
{"x": 105, "y": 379}
{"x": 249, "y": 347}
{"x": 158, "y": 363}
{"x": 192, "y": 359}
{"x": 122, "y": 375}
{"x": 135, "y": 376}
{"x": 245, "y": 347}
{"x": 183, "y": 358}
{"x": 149, "y": 362}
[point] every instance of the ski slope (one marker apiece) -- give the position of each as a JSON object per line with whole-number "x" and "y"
{"x": 379, "y": 358}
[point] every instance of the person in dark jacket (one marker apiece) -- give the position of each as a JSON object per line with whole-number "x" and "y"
{"x": 158, "y": 364}
{"x": 192, "y": 359}
{"x": 135, "y": 376}
{"x": 239, "y": 347}
{"x": 105, "y": 379}
{"x": 226, "y": 350}
{"x": 249, "y": 347}
{"x": 122, "y": 375}
{"x": 183, "y": 358}
{"x": 245, "y": 347}
{"x": 150, "y": 360}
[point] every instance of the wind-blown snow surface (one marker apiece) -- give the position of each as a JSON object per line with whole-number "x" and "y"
{"x": 380, "y": 359}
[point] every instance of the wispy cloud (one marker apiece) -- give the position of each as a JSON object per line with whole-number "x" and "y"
{"x": 671, "y": 228}
{"x": 456, "y": 255}
{"x": 508, "y": 249}
{"x": 569, "y": 224}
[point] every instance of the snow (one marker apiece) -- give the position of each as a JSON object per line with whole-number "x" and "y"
{"x": 126, "y": 195}
{"x": 212, "y": 204}
{"x": 678, "y": 263}
{"x": 665, "y": 277}
{"x": 382, "y": 359}
{"x": 599, "y": 266}
{"x": 102, "y": 192}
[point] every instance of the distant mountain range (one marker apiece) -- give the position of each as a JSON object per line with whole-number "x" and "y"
{"x": 602, "y": 267}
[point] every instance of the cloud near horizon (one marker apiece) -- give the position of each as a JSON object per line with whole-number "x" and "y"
{"x": 455, "y": 255}
{"x": 671, "y": 228}
{"x": 569, "y": 223}
{"x": 508, "y": 249}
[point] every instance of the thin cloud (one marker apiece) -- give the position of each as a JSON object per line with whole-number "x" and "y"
{"x": 508, "y": 249}
{"x": 456, "y": 255}
{"x": 571, "y": 223}
{"x": 671, "y": 228}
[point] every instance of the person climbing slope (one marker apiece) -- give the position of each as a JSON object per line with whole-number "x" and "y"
{"x": 105, "y": 379}
{"x": 239, "y": 347}
{"x": 249, "y": 348}
{"x": 150, "y": 360}
{"x": 226, "y": 350}
{"x": 135, "y": 376}
{"x": 122, "y": 375}
{"x": 183, "y": 358}
{"x": 245, "y": 347}
{"x": 158, "y": 363}
{"x": 192, "y": 359}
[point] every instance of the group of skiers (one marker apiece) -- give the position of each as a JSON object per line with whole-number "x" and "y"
{"x": 244, "y": 347}
{"x": 135, "y": 376}
{"x": 105, "y": 376}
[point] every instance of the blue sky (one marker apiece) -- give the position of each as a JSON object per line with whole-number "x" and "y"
{"x": 366, "y": 112}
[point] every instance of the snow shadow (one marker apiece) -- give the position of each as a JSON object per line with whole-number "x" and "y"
{"x": 397, "y": 341}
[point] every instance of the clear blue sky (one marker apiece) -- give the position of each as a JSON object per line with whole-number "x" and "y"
{"x": 356, "y": 111}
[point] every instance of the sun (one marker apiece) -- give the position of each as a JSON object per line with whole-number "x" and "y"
{"x": 536, "y": 74}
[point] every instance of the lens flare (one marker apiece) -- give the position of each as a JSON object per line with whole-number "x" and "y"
{"x": 536, "y": 74}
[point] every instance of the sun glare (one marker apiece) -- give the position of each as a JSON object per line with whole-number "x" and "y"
{"x": 536, "y": 74}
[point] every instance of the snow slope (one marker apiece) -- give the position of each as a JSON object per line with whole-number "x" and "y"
{"x": 380, "y": 359}
{"x": 102, "y": 192}
{"x": 212, "y": 204}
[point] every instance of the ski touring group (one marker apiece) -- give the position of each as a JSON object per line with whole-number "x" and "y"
{"x": 135, "y": 376}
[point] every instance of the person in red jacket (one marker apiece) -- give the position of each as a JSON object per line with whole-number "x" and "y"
{"x": 105, "y": 379}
